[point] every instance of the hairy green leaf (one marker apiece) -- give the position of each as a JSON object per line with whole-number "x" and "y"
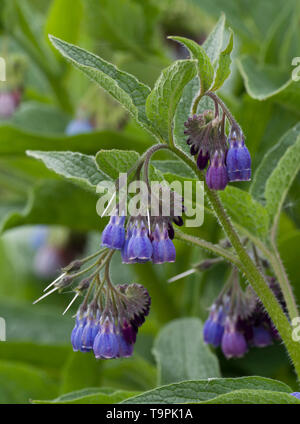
{"x": 205, "y": 68}
{"x": 202, "y": 390}
{"x": 264, "y": 397}
{"x": 125, "y": 88}
{"x": 113, "y": 162}
{"x": 214, "y": 41}
{"x": 224, "y": 62}
{"x": 163, "y": 100}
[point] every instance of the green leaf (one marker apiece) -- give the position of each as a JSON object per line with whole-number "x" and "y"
{"x": 176, "y": 167}
{"x": 80, "y": 371}
{"x": 163, "y": 100}
{"x": 54, "y": 202}
{"x": 202, "y": 390}
{"x": 205, "y": 68}
{"x": 270, "y": 160}
{"x": 224, "y": 62}
{"x": 20, "y": 382}
{"x": 214, "y": 41}
{"x": 113, "y": 162}
{"x": 125, "y": 88}
{"x": 76, "y": 167}
{"x": 280, "y": 181}
{"x": 181, "y": 353}
{"x": 39, "y": 323}
{"x": 257, "y": 397}
{"x": 90, "y": 396}
{"x": 15, "y": 141}
{"x": 246, "y": 211}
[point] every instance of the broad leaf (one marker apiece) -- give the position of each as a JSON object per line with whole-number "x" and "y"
{"x": 77, "y": 167}
{"x": 270, "y": 161}
{"x": 125, "y": 88}
{"x": 279, "y": 182}
{"x": 257, "y": 397}
{"x": 224, "y": 62}
{"x": 202, "y": 390}
{"x": 113, "y": 162}
{"x": 246, "y": 211}
{"x": 181, "y": 353}
{"x": 204, "y": 66}
{"x": 163, "y": 100}
{"x": 90, "y": 396}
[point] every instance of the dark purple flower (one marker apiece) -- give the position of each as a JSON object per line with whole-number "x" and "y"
{"x": 261, "y": 336}
{"x": 202, "y": 159}
{"x": 238, "y": 159}
{"x": 216, "y": 175}
{"x": 113, "y": 235}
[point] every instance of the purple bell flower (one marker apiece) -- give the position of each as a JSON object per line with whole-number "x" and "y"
{"x": 113, "y": 235}
{"x": 76, "y": 335}
{"x": 139, "y": 246}
{"x": 106, "y": 345}
{"x": 238, "y": 159}
{"x": 202, "y": 159}
{"x": 234, "y": 344}
{"x": 216, "y": 175}
{"x": 214, "y": 327}
{"x": 163, "y": 247}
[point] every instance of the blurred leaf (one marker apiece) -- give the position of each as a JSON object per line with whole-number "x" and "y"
{"x": 270, "y": 161}
{"x": 280, "y": 181}
{"x": 257, "y": 397}
{"x": 20, "y": 382}
{"x": 224, "y": 62}
{"x": 181, "y": 353}
{"x": 113, "y": 162}
{"x": 34, "y": 323}
{"x": 205, "y": 68}
{"x": 64, "y": 19}
{"x": 39, "y": 117}
{"x": 76, "y": 167}
{"x": 125, "y": 88}
{"x": 54, "y": 202}
{"x": 176, "y": 167}
{"x": 246, "y": 211}
{"x": 81, "y": 370}
{"x": 90, "y": 396}
{"x": 14, "y": 141}
{"x": 202, "y": 390}
{"x": 163, "y": 100}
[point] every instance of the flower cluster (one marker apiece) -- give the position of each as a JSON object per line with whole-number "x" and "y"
{"x": 143, "y": 239}
{"x": 111, "y": 332}
{"x": 238, "y": 321}
{"x": 228, "y": 159}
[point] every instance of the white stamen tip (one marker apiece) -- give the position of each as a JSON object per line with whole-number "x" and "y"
{"x": 45, "y": 295}
{"x": 55, "y": 281}
{"x": 182, "y": 275}
{"x": 71, "y": 303}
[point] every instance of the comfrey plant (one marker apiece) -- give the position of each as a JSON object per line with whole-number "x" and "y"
{"x": 186, "y": 118}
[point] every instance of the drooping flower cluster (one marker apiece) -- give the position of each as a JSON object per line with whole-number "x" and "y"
{"x": 237, "y": 321}
{"x": 144, "y": 238}
{"x": 228, "y": 159}
{"x": 111, "y": 333}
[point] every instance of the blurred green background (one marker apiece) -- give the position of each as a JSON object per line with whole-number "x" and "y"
{"x": 46, "y": 220}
